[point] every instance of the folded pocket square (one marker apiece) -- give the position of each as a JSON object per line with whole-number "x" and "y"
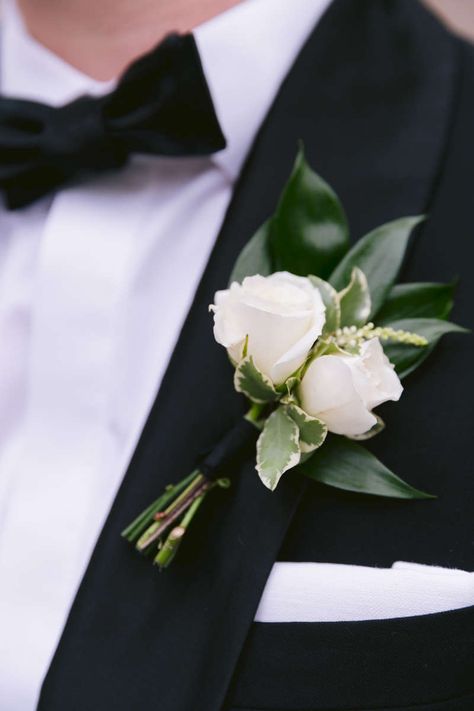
{"x": 327, "y": 592}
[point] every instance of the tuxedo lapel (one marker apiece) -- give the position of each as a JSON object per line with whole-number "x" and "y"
{"x": 135, "y": 636}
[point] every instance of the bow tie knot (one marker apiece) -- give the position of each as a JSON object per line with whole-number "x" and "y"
{"x": 76, "y": 134}
{"x": 161, "y": 106}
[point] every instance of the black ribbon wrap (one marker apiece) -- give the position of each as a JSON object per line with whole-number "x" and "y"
{"x": 234, "y": 447}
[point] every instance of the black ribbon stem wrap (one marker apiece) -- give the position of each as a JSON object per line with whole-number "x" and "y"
{"x": 171, "y": 514}
{"x": 234, "y": 447}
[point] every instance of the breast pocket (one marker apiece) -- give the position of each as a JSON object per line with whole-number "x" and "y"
{"x": 422, "y": 663}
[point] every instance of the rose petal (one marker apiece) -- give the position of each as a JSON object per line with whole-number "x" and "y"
{"x": 327, "y": 391}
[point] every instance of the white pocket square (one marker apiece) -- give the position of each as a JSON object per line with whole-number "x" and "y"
{"x": 327, "y": 592}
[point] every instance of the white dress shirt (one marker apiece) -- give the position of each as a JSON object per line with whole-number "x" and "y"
{"x": 95, "y": 283}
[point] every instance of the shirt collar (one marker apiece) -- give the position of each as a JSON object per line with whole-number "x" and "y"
{"x": 246, "y": 53}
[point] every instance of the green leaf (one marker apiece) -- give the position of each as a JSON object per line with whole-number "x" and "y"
{"x": 277, "y": 448}
{"x": 379, "y": 255}
{"x": 407, "y": 358}
{"x": 309, "y": 233}
{"x": 355, "y": 300}
{"x": 328, "y": 348}
{"x": 331, "y": 302}
{"x": 290, "y": 384}
{"x": 312, "y": 431}
{"x": 250, "y": 381}
{"x": 255, "y": 257}
{"x": 346, "y": 465}
{"x": 422, "y": 300}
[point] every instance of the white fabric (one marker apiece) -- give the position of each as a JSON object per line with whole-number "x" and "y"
{"x": 329, "y": 592}
{"x": 95, "y": 283}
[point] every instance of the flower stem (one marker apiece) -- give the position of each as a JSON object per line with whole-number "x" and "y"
{"x": 135, "y": 529}
{"x": 197, "y": 479}
{"x": 157, "y": 531}
{"x": 173, "y": 512}
{"x": 170, "y": 547}
{"x": 254, "y": 415}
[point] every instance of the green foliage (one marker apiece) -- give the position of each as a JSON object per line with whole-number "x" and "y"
{"x": 288, "y": 436}
{"x": 346, "y": 465}
{"x": 355, "y": 302}
{"x": 308, "y": 236}
{"x": 255, "y": 257}
{"x": 379, "y": 255}
{"x": 277, "y": 448}
{"x": 407, "y": 358}
{"x": 419, "y": 300}
{"x": 309, "y": 233}
{"x": 312, "y": 432}
{"x": 331, "y": 302}
{"x": 252, "y": 383}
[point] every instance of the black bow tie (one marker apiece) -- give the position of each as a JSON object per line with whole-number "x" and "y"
{"x": 161, "y": 106}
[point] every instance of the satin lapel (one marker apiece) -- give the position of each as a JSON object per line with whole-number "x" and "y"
{"x": 136, "y": 637}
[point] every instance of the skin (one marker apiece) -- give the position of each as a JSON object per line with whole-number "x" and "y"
{"x": 101, "y": 37}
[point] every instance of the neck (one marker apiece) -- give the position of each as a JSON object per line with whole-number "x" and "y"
{"x": 101, "y": 37}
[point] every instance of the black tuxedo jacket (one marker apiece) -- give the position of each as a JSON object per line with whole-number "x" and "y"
{"x": 383, "y": 98}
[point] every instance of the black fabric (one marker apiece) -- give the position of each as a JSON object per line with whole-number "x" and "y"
{"x": 383, "y": 98}
{"x": 358, "y": 665}
{"x": 161, "y": 106}
{"x": 236, "y": 446}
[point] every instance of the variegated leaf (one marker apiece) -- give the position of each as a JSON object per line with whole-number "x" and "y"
{"x": 312, "y": 431}
{"x": 250, "y": 381}
{"x": 277, "y": 448}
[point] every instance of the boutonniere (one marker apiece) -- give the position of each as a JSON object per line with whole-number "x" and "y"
{"x": 319, "y": 336}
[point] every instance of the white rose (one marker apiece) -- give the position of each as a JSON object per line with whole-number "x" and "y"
{"x": 282, "y": 315}
{"x": 342, "y": 390}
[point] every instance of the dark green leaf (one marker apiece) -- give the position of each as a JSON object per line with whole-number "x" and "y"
{"x": 309, "y": 233}
{"x": 346, "y": 465}
{"x": 255, "y": 257}
{"x": 421, "y": 300}
{"x": 355, "y": 300}
{"x": 379, "y": 255}
{"x": 406, "y": 358}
